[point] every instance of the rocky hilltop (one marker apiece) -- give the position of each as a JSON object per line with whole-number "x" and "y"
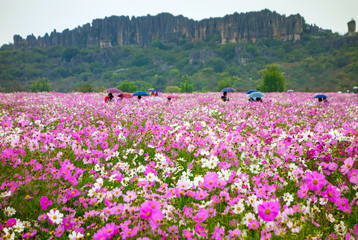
{"x": 168, "y": 29}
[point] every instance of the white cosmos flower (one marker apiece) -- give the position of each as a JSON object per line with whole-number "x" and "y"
{"x": 19, "y": 226}
{"x": 75, "y": 235}
{"x": 9, "y": 211}
{"x": 55, "y": 216}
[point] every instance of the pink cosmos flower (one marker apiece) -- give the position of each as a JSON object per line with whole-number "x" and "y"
{"x": 332, "y": 193}
{"x": 200, "y": 230}
{"x": 315, "y": 181}
{"x": 218, "y": 233}
{"x": 128, "y": 233}
{"x": 254, "y": 224}
{"x": 201, "y": 194}
{"x": 302, "y": 193}
{"x": 111, "y": 229}
{"x": 211, "y": 180}
{"x": 201, "y": 216}
{"x": 42, "y": 217}
{"x": 265, "y": 235}
{"x": 10, "y": 222}
{"x": 44, "y": 202}
{"x": 235, "y": 233}
{"x": 100, "y": 235}
{"x": 343, "y": 205}
{"x": 348, "y": 164}
{"x": 188, "y": 234}
{"x": 353, "y": 176}
{"x": 29, "y": 234}
{"x": 198, "y": 126}
{"x": 59, "y": 231}
{"x": 173, "y": 229}
{"x": 268, "y": 211}
{"x": 130, "y": 196}
{"x": 156, "y": 219}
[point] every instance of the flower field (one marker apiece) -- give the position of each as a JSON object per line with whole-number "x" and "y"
{"x": 73, "y": 167}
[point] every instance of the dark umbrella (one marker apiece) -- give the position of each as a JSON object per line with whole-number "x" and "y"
{"x": 113, "y": 90}
{"x": 227, "y": 90}
{"x": 125, "y": 95}
{"x": 320, "y": 96}
{"x": 251, "y": 91}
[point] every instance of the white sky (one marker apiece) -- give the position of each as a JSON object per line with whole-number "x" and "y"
{"x": 26, "y": 17}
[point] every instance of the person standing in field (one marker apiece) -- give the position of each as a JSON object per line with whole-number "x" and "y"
{"x": 108, "y": 98}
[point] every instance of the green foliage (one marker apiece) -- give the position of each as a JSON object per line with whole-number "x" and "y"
{"x": 41, "y": 85}
{"x": 69, "y": 53}
{"x": 85, "y": 87}
{"x": 273, "y": 80}
{"x": 172, "y": 89}
{"x": 224, "y": 83}
{"x": 218, "y": 64}
{"x": 127, "y": 86}
{"x": 186, "y": 87}
{"x": 321, "y": 61}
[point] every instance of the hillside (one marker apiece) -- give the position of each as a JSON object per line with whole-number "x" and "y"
{"x": 213, "y": 52}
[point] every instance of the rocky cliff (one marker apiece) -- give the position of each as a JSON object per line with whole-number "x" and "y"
{"x": 170, "y": 29}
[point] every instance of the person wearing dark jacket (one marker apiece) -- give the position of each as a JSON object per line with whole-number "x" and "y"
{"x": 108, "y": 98}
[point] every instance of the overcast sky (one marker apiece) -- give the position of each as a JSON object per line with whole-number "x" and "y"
{"x": 26, "y": 17}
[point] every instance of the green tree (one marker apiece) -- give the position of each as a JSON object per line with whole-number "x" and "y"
{"x": 41, "y": 85}
{"x": 224, "y": 83}
{"x": 69, "y": 53}
{"x": 127, "y": 86}
{"x": 172, "y": 89}
{"x": 273, "y": 80}
{"x": 218, "y": 64}
{"x": 186, "y": 87}
{"x": 85, "y": 87}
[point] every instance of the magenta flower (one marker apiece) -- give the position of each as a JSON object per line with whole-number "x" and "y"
{"x": 201, "y": 216}
{"x": 302, "y": 193}
{"x": 59, "y": 231}
{"x": 235, "y": 233}
{"x": 268, "y": 211}
{"x": 44, "y": 202}
{"x": 10, "y": 222}
{"x": 353, "y": 176}
{"x": 315, "y": 181}
{"x": 128, "y": 233}
{"x": 146, "y": 212}
{"x": 201, "y": 194}
{"x": 254, "y": 224}
{"x": 29, "y": 234}
{"x": 188, "y": 234}
{"x": 173, "y": 229}
{"x": 200, "y": 230}
{"x": 218, "y": 233}
{"x": 332, "y": 193}
{"x": 211, "y": 180}
{"x": 198, "y": 127}
{"x": 111, "y": 229}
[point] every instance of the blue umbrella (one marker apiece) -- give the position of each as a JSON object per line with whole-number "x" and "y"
{"x": 140, "y": 93}
{"x": 251, "y": 91}
{"x": 256, "y": 95}
{"x": 320, "y": 96}
{"x": 227, "y": 90}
